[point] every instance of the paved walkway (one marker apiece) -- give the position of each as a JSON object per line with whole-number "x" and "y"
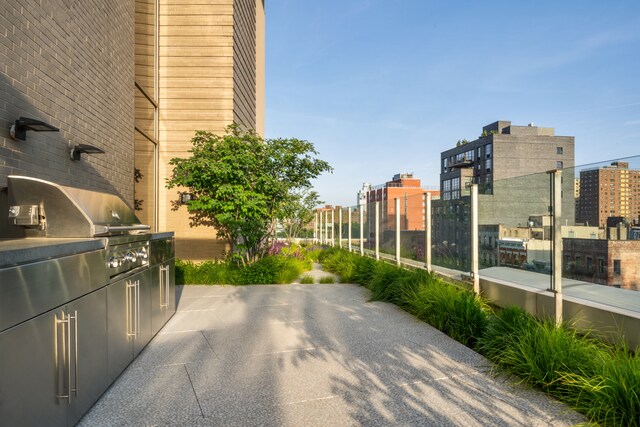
{"x": 304, "y": 355}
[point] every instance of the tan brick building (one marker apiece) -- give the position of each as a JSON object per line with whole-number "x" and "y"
{"x": 610, "y": 191}
{"x": 135, "y": 79}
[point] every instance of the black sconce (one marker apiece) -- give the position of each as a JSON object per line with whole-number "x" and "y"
{"x": 23, "y": 124}
{"x": 186, "y": 198}
{"x": 75, "y": 152}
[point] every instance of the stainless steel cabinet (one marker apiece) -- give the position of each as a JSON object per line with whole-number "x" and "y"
{"x": 53, "y": 367}
{"x": 128, "y": 320}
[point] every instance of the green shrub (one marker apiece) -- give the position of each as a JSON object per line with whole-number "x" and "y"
{"x": 362, "y": 271}
{"x": 611, "y": 397}
{"x": 206, "y": 273}
{"x": 276, "y": 269}
{"x": 327, "y": 280}
{"x": 458, "y": 313}
{"x": 502, "y": 329}
{"x": 306, "y": 280}
{"x": 542, "y": 354}
{"x": 338, "y": 261}
{"x": 387, "y": 282}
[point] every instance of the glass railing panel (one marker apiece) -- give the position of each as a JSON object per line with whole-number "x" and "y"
{"x": 450, "y": 237}
{"x": 603, "y": 245}
{"x": 387, "y": 227}
{"x": 369, "y": 226}
{"x": 412, "y": 228}
{"x": 355, "y": 226}
{"x": 515, "y": 227}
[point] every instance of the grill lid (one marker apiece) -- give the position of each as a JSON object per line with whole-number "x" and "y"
{"x": 51, "y": 210}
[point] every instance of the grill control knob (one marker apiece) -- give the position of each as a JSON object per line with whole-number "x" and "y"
{"x": 113, "y": 262}
{"x": 131, "y": 256}
{"x": 142, "y": 253}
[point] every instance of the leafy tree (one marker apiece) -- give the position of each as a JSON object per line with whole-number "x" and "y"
{"x": 298, "y": 212}
{"x": 243, "y": 184}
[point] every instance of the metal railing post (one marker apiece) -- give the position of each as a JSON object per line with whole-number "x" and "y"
{"x": 556, "y": 253}
{"x": 349, "y": 231}
{"x": 333, "y": 228}
{"x": 474, "y": 239}
{"x": 397, "y": 200}
{"x": 340, "y": 228}
{"x": 326, "y": 227}
{"x": 427, "y": 232}
{"x": 377, "y": 231}
{"x": 361, "y": 231}
{"x": 320, "y": 227}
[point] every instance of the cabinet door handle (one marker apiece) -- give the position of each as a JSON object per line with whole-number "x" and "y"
{"x": 164, "y": 287}
{"x": 65, "y": 393}
{"x": 75, "y": 368}
{"x": 130, "y": 312}
{"x": 137, "y": 307}
{"x": 167, "y": 282}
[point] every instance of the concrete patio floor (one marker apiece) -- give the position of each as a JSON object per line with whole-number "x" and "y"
{"x": 303, "y": 355}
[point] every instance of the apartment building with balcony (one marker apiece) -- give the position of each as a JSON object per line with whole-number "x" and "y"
{"x": 609, "y": 191}
{"x": 509, "y": 164}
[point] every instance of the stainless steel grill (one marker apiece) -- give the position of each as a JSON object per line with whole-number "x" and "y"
{"x": 49, "y": 210}
{"x": 79, "y": 299}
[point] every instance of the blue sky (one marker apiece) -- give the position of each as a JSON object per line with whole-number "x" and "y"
{"x": 382, "y": 87}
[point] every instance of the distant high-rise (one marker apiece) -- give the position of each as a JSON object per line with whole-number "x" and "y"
{"x": 609, "y": 191}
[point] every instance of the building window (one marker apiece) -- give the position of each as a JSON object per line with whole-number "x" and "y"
{"x": 589, "y": 264}
{"x": 487, "y": 165}
{"x": 616, "y": 267}
{"x": 559, "y": 150}
{"x": 601, "y": 266}
{"x": 567, "y": 262}
{"x": 488, "y": 150}
{"x": 559, "y": 164}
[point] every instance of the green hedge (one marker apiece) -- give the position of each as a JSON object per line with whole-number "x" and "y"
{"x": 274, "y": 269}
{"x": 600, "y": 380}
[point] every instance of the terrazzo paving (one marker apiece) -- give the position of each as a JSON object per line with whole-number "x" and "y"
{"x": 311, "y": 355}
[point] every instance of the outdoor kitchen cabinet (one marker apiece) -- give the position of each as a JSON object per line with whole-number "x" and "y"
{"x": 53, "y": 367}
{"x": 163, "y": 297}
{"x": 128, "y": 320}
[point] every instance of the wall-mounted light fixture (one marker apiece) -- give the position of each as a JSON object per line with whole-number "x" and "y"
{"x": 186, "y": 198}
{"x": 23, "y": 124}
{"x": 78, "y": 149}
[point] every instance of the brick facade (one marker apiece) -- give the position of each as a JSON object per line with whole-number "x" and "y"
{"x": 607, "y": 262}
{"x": 70, "y": 64}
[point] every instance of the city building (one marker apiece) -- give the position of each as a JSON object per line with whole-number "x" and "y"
{"x": 408, "y": 189}
{"x": 362, "y": 195}
{"x": 603, "y": 261}
{"x": 609, "y": 191}
{"x": 135, "y": 80}
{"x": 509, "y": 164}
{"x": 497, "y": 242}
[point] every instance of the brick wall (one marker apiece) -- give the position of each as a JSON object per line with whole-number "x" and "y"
{"x": 69, "y": 64}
